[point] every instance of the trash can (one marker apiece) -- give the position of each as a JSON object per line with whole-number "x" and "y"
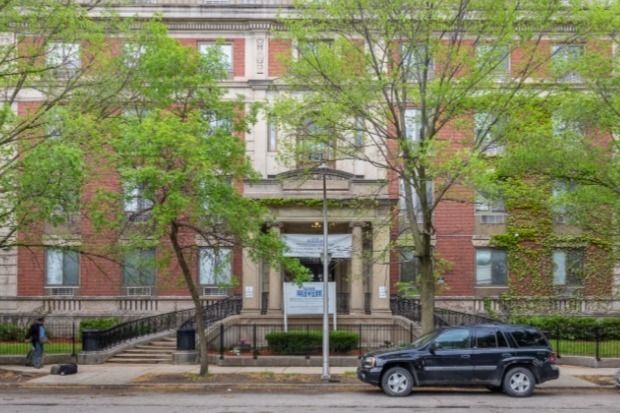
{"x": 90, "y": 340}
{"x": 186, "y": 339}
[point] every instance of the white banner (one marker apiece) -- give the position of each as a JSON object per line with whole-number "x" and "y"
{"x": 308, "y": 298}
{"x": 311, "y": 245}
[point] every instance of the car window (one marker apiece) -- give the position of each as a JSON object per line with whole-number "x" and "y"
{"x": 529, "y": 338}
{"x": 453, "y": 339}
{"x": 490, "y": 338}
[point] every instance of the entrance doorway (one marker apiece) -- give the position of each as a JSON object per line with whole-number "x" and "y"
{"x": 315, "y": 265}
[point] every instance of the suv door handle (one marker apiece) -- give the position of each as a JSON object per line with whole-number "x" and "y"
{"x": 465, "y": 356}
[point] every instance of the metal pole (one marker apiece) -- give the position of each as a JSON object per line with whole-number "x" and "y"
{"x": 325, "y": 375}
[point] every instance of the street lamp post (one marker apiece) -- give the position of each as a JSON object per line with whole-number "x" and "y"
{"x": 326, "y": 258}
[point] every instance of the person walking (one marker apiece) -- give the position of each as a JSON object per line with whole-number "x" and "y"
{"x": 37, "y": 336}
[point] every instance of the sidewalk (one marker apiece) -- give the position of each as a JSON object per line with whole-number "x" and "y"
{"x": 104, "y": 376}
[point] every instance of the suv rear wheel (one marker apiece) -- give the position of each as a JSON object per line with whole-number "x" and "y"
{"x": 519, "y": 382}
{"x": 397, "y": 382}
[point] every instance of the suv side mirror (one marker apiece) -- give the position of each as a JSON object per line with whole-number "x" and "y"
{"x": 434, "y": 346}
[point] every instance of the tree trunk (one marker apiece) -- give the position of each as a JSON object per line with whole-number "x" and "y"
{"x": 427, "y": 293}
{"x": 200, "y": 324}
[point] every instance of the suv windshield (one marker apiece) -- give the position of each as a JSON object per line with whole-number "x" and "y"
{"x": 425, "y": 339}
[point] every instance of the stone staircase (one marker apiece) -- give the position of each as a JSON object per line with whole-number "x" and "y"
{"x": 157, "y": 351}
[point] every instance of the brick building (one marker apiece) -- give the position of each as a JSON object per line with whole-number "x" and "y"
{"x": 46, "y": 280}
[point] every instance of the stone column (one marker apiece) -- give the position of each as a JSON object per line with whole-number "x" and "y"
{"x": 357, "y": 270}
{"x": 380, "y": 279}
{"x": 250, "y": 288}
{"x": 275, "y": 281}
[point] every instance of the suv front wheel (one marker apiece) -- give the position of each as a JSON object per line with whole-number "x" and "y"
{"x": 519, "y": 382}
{"x": 397, "y": 382}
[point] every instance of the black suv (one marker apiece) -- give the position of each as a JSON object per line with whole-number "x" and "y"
{"x": 504, "y": 357}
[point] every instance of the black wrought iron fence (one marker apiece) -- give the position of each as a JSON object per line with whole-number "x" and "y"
{"x": 215, "y": 312}
{"x": 97, "y": 340}
{"x": 62, "y": 332}
{"x": 590, "y": 341}
{"x": 412, "y": 310}
{"x": 252, "y": 339}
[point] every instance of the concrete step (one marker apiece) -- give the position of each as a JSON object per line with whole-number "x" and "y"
{"x": 155, "y": 352}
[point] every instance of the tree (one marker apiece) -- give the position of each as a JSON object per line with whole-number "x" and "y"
{"x": 176, "y": 152}
{"x": 48, "y": 51}
{"x": 413, "y": 77}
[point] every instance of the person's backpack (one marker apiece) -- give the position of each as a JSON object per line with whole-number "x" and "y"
{"x": 70, "y": 368}
{"x": 64, "y": 369}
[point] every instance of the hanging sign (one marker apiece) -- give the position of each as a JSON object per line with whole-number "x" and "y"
{"x": 311, "y": 245}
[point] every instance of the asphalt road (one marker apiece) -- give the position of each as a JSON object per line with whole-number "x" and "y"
{"x": 61, "y": 401}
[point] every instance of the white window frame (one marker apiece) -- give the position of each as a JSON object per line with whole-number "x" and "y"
{"x": 485, "y": 273}
{"x": 215, "y": 266}
{"x": 413, "y": 60}
{"x": 560, "y": 268}
{"x": 563, "y": 54}
{"x": 146, "y": 270}
{"x": 417, "y": 203}
{"x": 272, "y": 137}
{"x": 64, "y": 58}
{"x": 134, "y": 201}
{"x": 226, "y": 50}
{"x": 132, "y": 53}
{"x": 57, "y": 268}
{"x": 489, "y": 54}
{"x": 487, "y": 128}
{"x": 413, "y": 124}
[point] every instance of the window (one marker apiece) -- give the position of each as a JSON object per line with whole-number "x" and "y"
{"x": 565, "y": 58}
{"x": 485, "y": 203}
{"x": 272, "y": 137}
{"x": 64, "y": 58}
{"x": 453, "y": 339}
{"x": 215, "y": 266}
{"x": 413, "y": 124}
{"x": 493, "y": 61}
{"x": 218, "y": 122}
{"x": 61, "y": 267}
{"x": 310, "y": 50}
{"x": 360, "y": 127}
{"x": 487, "y": 130}
{"x": 490, "y": 338}
{"x": 224, "y": 51}
{"x": 568, "y": 267}
{"x": 560, "y": 194}
{"x": 131, "y": 54}
{"x": 409, "y": 265}
{"x": 314, "y": 144}
{"x": 139, "y": 268}
{"x": 417, "y": 64}
{"x": 571, "y": 132}
{"x": 135, "y": 200}
{"x": 491, "y": 267}
{"x": 54, "y": 124}
{"x": 417, "y": 202}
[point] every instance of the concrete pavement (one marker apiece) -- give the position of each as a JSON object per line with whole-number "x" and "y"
{"x": 127, "y": 376}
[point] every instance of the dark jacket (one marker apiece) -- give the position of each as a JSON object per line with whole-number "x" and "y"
{"x": 33, "y": 332}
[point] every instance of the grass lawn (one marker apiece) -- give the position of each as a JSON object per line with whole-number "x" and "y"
{"x": 586, "y": 348}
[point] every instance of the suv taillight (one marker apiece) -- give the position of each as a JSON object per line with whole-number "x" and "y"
{"x": 552, "y": 358}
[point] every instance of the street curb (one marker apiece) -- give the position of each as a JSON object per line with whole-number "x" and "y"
{"x": 263, "y": 387}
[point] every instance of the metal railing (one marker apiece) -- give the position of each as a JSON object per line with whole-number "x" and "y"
{"x": 62, "y": 333}
{"x": 589, "y": 341}
{"x": 412, "y": 310}
{"x": 215, "y": 312}
{"x": 97, "y": 340}
{"x": 251, "y": 338}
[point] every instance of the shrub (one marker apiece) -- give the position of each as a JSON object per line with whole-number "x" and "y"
{"x": 574, "y": 328}
{"x": 302, "y": 342}
{"x": 11, "y": 332}
{"x": 98, "y": 323}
